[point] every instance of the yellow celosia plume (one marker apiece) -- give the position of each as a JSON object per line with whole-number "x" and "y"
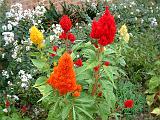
{"x": 36, "y": 36}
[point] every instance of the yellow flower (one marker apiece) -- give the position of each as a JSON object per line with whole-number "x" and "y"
{"x": 123, "y": 30}
{"x": 124, "y": 33}
{"x": 36, "y": 36}
{"x": 126, "y": 38}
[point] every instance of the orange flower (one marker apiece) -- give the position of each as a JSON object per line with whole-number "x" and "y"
{"x": 76, "y": 94}
{"x": 63, "y": 78}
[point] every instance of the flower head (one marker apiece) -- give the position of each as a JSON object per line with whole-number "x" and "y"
{"x": 124, "y": 33}
{"x": 36, "y": 36}
{"x": 104, "y": 29}
{"x": 71, "y": 37}
{"x": 55, "y": 48}
{"x": 96, "y": 68}
{"x": 63, "y": 77}
{"x": 65, "y": 23}
{"x": 78, "y": 62}
{"x": 106, "y": 63}
{"x": 7, "y": 104}
{"x": 128, "y": 103}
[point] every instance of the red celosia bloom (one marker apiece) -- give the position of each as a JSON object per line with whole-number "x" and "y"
{"x": 52, "y": 55}
{"x": 99, "y": 94}
{"x": 128, "y": 103}
{"x": 78, "y": 62}
{"x": 7, "y": 104}
{"x": 24, "y": 109}
{"x": 63, "y": 77}
{"x": 104, "y": 29}
{"x": 71, "y": 37}
{"x": 79, "y": 88}
{"x": 106, "y": 63}
{"x": 65, "y": 23}
{"x": 76, "y": 94}
{"x": 55, "y": 48}
{"x": 96, "y": 68}
{"x": 63, "y": 36}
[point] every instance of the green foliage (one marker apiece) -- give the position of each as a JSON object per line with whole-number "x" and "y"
{"x": 153, "y": 91}
{"x": 127, "y": 90}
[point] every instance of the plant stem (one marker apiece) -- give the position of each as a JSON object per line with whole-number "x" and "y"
{"x": 94, "y": 89}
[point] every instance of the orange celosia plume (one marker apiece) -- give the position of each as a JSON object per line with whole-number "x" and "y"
{"x": 63, "y": 77}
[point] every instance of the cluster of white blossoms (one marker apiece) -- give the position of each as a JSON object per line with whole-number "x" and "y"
{"x": 57, "y": 31}
{"x": 5, "y": 74}
{"x": 8, "y": 37}
{"x": 25, "y": 77}
{"x": 153, "y": 22}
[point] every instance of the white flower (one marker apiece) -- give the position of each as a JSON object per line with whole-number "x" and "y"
{"x": 9, "y": 26}
{"x": 5, "y": 110}
{"x": 9, "y": 96}
{"x": 5, "y": 74}
{"x": 15, "y": 97}
{"x": 8, "y": 14}
{"x": 4, "y": 27}
{"x": 21, "y": 72}
{"x": 9, "y": 83}
{"x": 19, "y": 60}
{"x": 3, "y": 55}
{"x": 77, "y": 56}
{"x": 131, "y": 13}
{"x": 24, "y": 85}
{"x": 93, "y": 5}
{"x": 27, "y": 48}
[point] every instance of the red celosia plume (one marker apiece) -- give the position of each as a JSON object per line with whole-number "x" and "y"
{"x": 63, "y": 77}
{"x": 65, "y": 23}
{"x": 104, "y": 29}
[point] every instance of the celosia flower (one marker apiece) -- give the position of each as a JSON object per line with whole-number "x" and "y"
{"x": 63, "y": 77}
{"x": 7, "y": 104}
{"x": 36, "y": 36}
{"x": 65, "y": 23}
{"x": 24, "y": 109}
{"x": 54, "y": 48}
{"x": 104, "y": 29}
{"x": 128, "y": 103}
{"x": 71, "y": 37}
{"x": 52, "y": 55}
{"x": 99, "y": 94}
{"x": 78, "y": 62}
{"x": 63, "y": 36}
{"x": 124, "y": 33}
{"x": 106, "y": 63}
{"x": 96, "y": 68}
{"x": 123, "y": 30}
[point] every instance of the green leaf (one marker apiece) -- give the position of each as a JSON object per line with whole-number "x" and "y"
{"x": 38, "y": 63}
{"x": 74, "y": 113}
{"x": 40, "y": 81}
{"x": 85, "y": 112}
{"x": 156, "y": 111}
{"x": 65, "y": 111}
{"x": 154, "y": 82}
{"x": 150, "y": 99}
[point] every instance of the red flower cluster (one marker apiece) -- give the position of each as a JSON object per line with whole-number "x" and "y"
{"x": 96, "y": 68}
{"x": 55, "y": 48}
{"x": 106, "y": 63}
{"x": 128, "y": 103}
{"x": 7, "y": 104}
{"x": 66, "y": 25}
{"x": 63, "y": 78}
{"x": 78, "y": 62}
{"x": 104, "y": 29}
{"x": 24, "y": 109}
